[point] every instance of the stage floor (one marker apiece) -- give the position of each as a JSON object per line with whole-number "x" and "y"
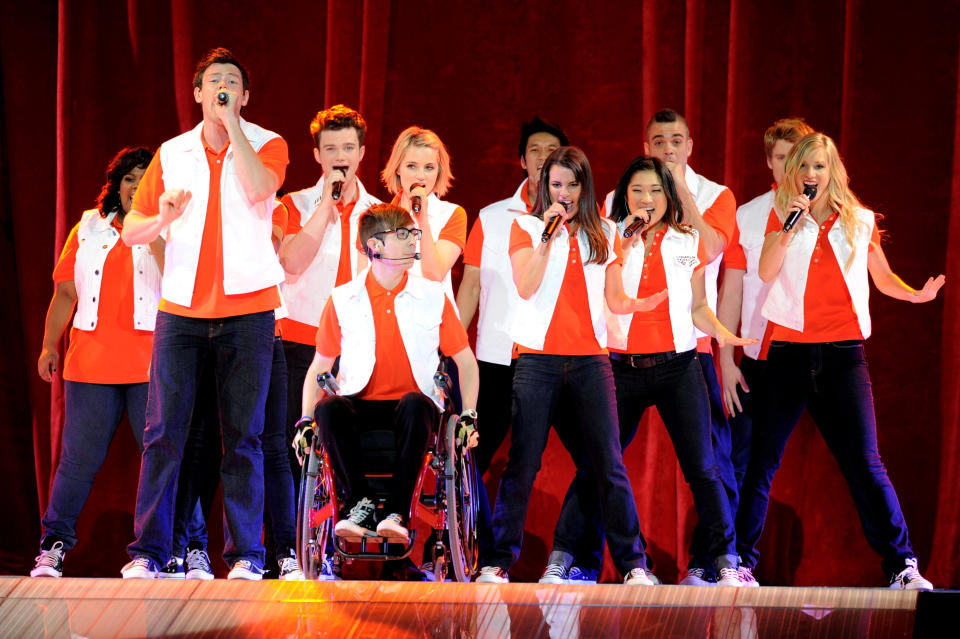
{"x": 95, "y": 608}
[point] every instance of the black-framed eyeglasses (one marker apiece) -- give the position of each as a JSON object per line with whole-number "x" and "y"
{"x": 402, "y": 233}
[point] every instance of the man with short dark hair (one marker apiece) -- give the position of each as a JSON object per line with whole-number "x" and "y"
{"x": 210, "y": 193}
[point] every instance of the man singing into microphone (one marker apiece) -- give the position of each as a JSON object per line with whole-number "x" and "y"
{"x": 320, "y": 247}
{"x": 711, "y": 209}
{"x": 386, "y": 326}
{"x": 210, "y": 193}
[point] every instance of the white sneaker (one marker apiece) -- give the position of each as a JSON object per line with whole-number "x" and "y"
{"x": 247, "y": 570}
{"x": 639, "y": 577}
{"x": 697, "y": 577}
{"x": 140, "y": 568}
{"x": 554, "y": 574}
{"x": 747, "y": 580}
{"x": 493, "y": 575}
{"x": 49, "y": 562}
{"x": 392, "y": 528}
{"x": 729, "y": 577}
{"x": 910, "y": 578}
{"x": 289, "y": 570}
{"x": 197, "y": 565}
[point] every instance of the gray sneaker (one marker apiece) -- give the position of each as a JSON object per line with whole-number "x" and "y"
{"x": 197, "y": 565}
{"x": 554, "y": 574}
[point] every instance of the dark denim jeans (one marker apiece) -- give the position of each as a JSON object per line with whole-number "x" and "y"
{"x": 587, "y": 381}
{"x": 93, "y": 413}
{"x": 677, "y": 389}
{"x": 281, "y": 503}
{"x": 298, "y": 357}
{"x": 701, "y": 546}
{"x": 831, "y": 380}
{"x": 741, "y": 424}
{"x": 241, "y": 348}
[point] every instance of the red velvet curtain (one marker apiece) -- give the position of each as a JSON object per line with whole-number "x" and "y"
{"x": 83, "y": 78}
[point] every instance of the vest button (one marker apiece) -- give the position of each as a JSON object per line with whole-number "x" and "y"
{"x": 97, "y": 272}
{"x": 94, "y": 299}
{"x": 91, "y": 324}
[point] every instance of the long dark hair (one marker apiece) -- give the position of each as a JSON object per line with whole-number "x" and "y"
{"x": 674, "y": 215}
{"x": 126, "y": 160}
{"x": 588, "y": 217}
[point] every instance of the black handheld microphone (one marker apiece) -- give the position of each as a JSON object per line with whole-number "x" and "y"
{"x": 637, "y": 224}
{"x": 810, "y": 191}
{"x": 338, "y": 185}
{"x": 222, "y": 98}
{"x": 553, "y": 223}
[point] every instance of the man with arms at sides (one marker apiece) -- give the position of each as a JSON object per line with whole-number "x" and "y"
{"x": 210, "y": 192}
{"x": 711, "y": 209}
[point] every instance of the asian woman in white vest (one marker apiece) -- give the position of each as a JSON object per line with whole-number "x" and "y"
{"x": 654, "y": 360}
{"x": 819, "y": 316}
{"x": 567, "y": 268}
{"x": 115, "y": 289}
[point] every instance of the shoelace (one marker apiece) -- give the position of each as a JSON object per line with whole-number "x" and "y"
{"x": 142, "y": 562}
{"x": 493, "y": 570}
{"x": 50, "y": 557}
{"x": 728, "y": 573}
{"x": 361, "y": 511}
{"x": 288, "y": 565}
{"x": 697, "y": 572}
{"x": 555, "y": 570}
{"x": 198, "y": 560}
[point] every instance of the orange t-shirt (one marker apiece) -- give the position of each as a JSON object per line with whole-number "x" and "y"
{"x": 733, "y": 255}
{"x": 652, "y": 331}
{"x": 722, "y": 216}
{"x": 472, "y": 254}
{"x": 828, "y": 314}
{"x": 209, "y": 299}
{"x": 300, "y": 332}
{"x": 571, "y": 328}
{"x": 394, "y": 378}
{"x": 114, "y": 352}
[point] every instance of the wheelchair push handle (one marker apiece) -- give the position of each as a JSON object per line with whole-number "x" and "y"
{"x": 328, "y": 383}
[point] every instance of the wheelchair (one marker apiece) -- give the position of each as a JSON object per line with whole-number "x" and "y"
{"x": 444, "y": 500}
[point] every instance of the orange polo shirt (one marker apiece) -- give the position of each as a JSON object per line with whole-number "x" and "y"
{"x": 455, "y": 230}
{"x": 571, "y": 328}
{"x": 209, "y": 299}
{"x": 392, "y": 377}
{"x": 652, "y": 331}
{"x": 472, "y": 254}
{"x": 828, "y": 314}
{"x": 722, "y": 216}
{"x": 114, "y": 352}
{"x": 300, "y": 332}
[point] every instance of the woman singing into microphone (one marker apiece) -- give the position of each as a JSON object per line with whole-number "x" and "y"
{"x": 417, "y": 175}
{"x": 654, "y": 360}
{"x": 564, "y": 280}
{"x": 818, "y": 311}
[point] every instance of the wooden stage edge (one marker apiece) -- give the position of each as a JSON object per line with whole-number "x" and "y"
{"x": 76, "y": 608}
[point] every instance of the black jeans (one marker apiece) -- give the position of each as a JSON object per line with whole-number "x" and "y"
{"x": 831, "y": 380}
{"x": 677, "y": 389}
{"x": 587, "y": 381}
{"x": 341, "y": 423}
{"x": 741, "y": 424}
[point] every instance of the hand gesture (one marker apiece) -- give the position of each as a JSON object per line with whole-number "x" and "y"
{"x": 730, "y": 378}
{"x": 649, "y": 303}
{"x": 173, "y": 202}
{"x": 48, "y": 363}
{"x": 929, "y": 290}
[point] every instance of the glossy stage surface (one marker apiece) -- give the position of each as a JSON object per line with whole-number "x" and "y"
{"x": 73, "y": 608}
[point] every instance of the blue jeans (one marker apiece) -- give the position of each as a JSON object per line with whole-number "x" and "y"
{"x": 831, "y": 380}
{"x": 722, "y": 439}
{"x": 278, "y": 481}
{"x": 587, "y": 381}
{"x": 93, "y": 413}
{"x": 241, "y": 348}
{"x": 677, "y": 389}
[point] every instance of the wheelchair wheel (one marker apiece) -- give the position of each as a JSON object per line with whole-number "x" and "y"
{"x": 315, "y": 508}
{"x": 461, "y": 491}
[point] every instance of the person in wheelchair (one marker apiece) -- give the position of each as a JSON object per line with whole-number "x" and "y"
{"x": 386, "y": 326}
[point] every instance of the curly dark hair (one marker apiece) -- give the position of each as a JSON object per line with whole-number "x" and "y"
{"x": 126, "y": 159}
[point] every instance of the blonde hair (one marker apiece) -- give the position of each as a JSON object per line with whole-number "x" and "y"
{"x": 416, "y": 136}
{"x": 838, "y": 196}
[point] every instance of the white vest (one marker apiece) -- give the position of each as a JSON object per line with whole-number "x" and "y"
{"x": 498, "y": 293}
{"x": 249, "y": 260}
{"x": 705, "y": 193}
{"x": 439, "y": 212}
{"x": 679, "y": 254}
{"x": 532, "y": 317}
{"x": 752, "y": 220}
{"x": 97, "y": 237}
{"x": 419, "y": 311}
{"x": 306, "y": 294}
{"x": 784, "y": 304}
